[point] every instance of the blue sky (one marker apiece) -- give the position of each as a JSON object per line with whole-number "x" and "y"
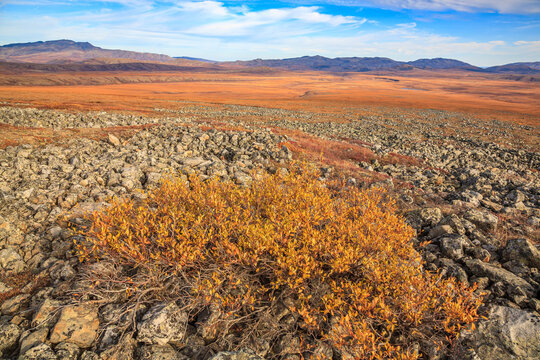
{"x": 481, "y": 32}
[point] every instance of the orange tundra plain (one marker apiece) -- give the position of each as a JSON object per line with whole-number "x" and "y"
{"x": 484, "y": 95}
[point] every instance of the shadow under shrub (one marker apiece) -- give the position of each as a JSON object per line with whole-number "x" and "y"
{"x": 283, "y": 258}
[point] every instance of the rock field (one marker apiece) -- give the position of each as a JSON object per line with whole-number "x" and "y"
{"x": 476, "y": 201}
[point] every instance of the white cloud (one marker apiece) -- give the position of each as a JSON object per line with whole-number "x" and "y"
{"x": 298, "y": 20}
{"x": 529, "y": 43}
{"x": 502, "y": 6}
{"x": 206, "y": 8}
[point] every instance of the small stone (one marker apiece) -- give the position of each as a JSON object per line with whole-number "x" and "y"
{"x": 452, "y": 247}
{"x": 29, "y": 339}
{"x": 455, "y": 222}
{"x": 55, "y": 231}
{"x": 492, "y": 206}
{"x": 113, "y": 140}
{"x": 440, "y": 230}
{"x": 430, "y": 216}
{"x": 89, "y": 355}
{"x": 193, "y": 161}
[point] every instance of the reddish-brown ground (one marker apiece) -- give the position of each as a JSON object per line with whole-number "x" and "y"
{"x": 355, "y": 95}
{"x": 488, "y": 95}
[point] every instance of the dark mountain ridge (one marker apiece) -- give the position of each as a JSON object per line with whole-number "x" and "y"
{"x": 68, "y": 51}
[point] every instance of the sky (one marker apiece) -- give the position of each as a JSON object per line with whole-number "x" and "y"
{"x": 480, "y": 32}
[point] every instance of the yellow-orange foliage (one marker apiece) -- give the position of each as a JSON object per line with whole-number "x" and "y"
{"x": 342, "y": 257}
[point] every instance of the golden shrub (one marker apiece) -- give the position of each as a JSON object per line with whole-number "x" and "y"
{"x": 341, "y": 259}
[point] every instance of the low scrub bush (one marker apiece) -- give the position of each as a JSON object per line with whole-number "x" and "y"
{"x": 283, "y": 258}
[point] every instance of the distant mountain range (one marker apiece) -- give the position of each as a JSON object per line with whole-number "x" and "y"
{"x": 68, "y": 51}
{"x": 356, "y": 64}
{"x": 360, "y": 64}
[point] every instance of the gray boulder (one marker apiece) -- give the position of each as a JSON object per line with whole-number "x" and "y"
{"x": 163, "y": 324}
{"x": 496, "y": 274}
{"x": 523, "y": 251}
{"x": 483, "y": 220}
{"x": 507, "y": 334}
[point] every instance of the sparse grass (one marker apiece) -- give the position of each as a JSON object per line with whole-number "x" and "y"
{"x": 395, "y": 159}
{"x": 339, "y": 259}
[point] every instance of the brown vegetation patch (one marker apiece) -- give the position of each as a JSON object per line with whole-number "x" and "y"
{"x": 341, "y": 155}
{"x": 17, "y": 135}
{"x": 395, "y": 159}
{"x": 25, "y": 282}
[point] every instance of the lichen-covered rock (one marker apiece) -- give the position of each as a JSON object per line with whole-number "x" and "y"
{"x": 15, "y": 304}
{"x": 67, "y": 351}
{"x": 31, "y": 338}
{"x": 46, "y": 312}
{"x": 236, "y": 355}
{"x": 482, "y": 219}
{"x": 89, "y": 355}
{"x": 453, "y": 246}
{"x": 522, "y": 251}
{"x": 40, "y": 352}
{"x": 163, "y": 324}
{"x": 11, "y": 261}
{"x": 77, "y": 325}
{"x": 430, "y": 216}
{"x": 9, "y": 337}
{"x": 160, "y": 352}
{"x": 507, "y": 334}
{"x": 495, "y": 273}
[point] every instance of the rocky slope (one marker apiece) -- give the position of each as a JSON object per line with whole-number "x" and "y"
{"x": 477, "y": 203}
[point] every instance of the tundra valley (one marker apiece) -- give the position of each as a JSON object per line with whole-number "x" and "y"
{"x": 310, "y": 208}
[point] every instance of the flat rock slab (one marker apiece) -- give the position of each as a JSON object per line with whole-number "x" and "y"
{"x": 507, "y": 334}
{"x": 77, "y": 325}
{"x": 163, "y": 324}
{"x": 495, "y": 273}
